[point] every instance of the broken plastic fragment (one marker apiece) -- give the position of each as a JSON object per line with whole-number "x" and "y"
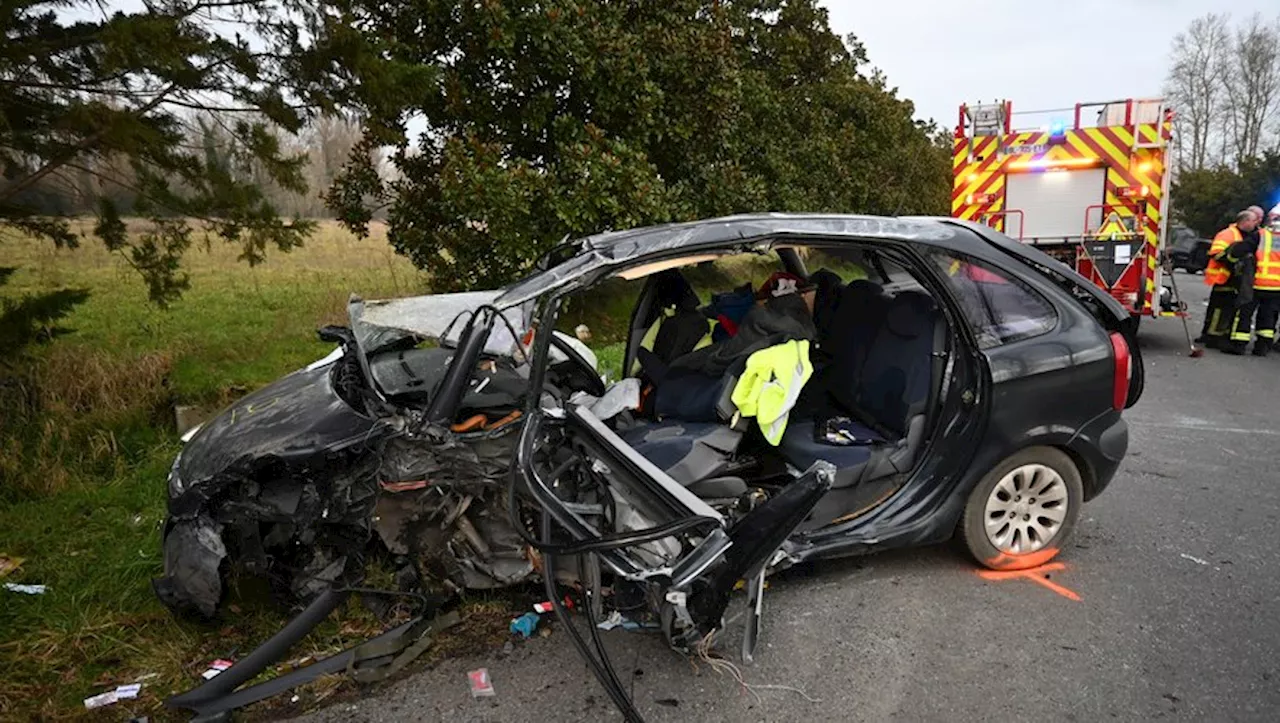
{"x": 215, "y": 668}
{"x": 27, "y": 589}
{"x": 611, "y": 622}
{"x": 481, "y": 686}
{"x": 100, "y": 700}
{"x": 125, "y": 692}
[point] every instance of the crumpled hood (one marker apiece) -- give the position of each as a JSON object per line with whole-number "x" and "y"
{"x": 295, "y": 417}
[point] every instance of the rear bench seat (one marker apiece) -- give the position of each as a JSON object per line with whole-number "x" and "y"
{"x": 883, "y": 366}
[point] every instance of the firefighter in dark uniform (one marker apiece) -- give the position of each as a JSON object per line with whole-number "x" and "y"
{"x": 1227, "y": 249}
{"x": 1266, "y": 297}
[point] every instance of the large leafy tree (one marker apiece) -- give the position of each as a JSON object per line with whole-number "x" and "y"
{"x": 514, "y": 124}
{"x": 100, "y": 107}
{"x": 1207, "y": 199}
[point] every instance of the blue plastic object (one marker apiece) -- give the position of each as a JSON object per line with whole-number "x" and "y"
{"x": 525, "y": 625}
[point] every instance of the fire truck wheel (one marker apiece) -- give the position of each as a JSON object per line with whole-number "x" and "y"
{"x": 1024, "y": 510}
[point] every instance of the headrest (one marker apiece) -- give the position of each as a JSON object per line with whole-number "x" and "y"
{"x": 672, "y": 289}
{"x": 908, "y": 313}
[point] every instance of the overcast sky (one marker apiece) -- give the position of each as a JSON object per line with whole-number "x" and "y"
{"x": 941, "y": 53}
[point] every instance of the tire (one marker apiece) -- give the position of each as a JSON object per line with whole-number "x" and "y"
{"x": 1021, "y": 542}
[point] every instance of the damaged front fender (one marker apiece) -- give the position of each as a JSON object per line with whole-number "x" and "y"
{"x": 286, "y": 476}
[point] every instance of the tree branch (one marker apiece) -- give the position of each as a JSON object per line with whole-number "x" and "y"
{"x": 92, "y": 139}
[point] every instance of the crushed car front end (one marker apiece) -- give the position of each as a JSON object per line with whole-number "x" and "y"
{"x": 281, "y": 483}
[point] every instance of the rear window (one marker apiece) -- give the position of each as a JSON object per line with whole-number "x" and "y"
{"x": 1000, "y": 308}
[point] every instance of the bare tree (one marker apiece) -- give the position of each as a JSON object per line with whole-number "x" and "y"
{"x": 1254, "y": 83}
{"x": 1196, "y": 85}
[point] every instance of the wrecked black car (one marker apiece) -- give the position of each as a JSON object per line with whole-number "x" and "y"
{"x": 890, "y": 382}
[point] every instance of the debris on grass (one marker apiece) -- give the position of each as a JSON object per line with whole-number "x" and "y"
{"x": 126, "y": 692}
{"x": 216, "y": 667}
{"x": 100, "y": 700}
{"x": 111, "y": 697}
{"x": 481, "y": 686}
{"x": 9, "y": 564}
{"x": 27, "y": 589}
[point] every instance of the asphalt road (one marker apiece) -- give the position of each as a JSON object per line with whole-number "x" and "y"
{"x": 1174, "y": 567}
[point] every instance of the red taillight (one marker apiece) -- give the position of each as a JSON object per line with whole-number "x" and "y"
{"x": 1122, "y": 373}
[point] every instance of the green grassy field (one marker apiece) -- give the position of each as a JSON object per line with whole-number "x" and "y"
{"x": 88, "y": 437}
{"x": 88, "y": 440}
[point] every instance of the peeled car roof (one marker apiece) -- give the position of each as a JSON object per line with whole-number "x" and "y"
{"x": 616, "y": 248}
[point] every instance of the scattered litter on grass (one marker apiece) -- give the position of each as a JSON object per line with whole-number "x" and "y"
{"x": 144, "y": 678}
{"x": 125, "y": 692}
{"x": 100, "y": 700}
{"x": 525, "y": 625}
{"x": 295, "y": 699}
{"x": 27, "y": 589}
{"x": 216, "y": 667}
{"x": 1196, "y": 560}
{"x": 111, "y": 697}
{"x": 481, "y": 686}
{"x": 9, "y": 564}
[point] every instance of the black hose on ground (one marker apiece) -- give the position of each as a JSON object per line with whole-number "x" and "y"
{"x": 269, "y": 652}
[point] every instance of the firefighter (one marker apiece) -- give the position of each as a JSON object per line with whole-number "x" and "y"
{"x": 1266, "y": 287}
{"x": 1256, "y": 277}
{"x": 1223, "y": 255}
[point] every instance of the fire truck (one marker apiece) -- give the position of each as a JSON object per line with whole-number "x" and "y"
{"x": 1090, "y": 187}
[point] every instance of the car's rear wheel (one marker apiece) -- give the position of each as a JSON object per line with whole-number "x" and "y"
{"x": 1024, "y": 510}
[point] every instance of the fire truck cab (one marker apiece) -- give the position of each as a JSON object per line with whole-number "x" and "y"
{"x": 1089, "y": 185}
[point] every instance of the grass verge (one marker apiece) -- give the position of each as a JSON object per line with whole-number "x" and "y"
{"x": 86, "y": 439}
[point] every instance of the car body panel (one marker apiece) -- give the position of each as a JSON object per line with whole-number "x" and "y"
{"x": 294, "y": 418}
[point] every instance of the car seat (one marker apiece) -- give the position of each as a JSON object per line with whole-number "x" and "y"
{"x": 885, "y": 385}
{"x": 692, "y": 453}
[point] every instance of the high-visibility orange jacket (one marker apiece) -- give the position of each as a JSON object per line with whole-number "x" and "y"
{"x": 1267, "y": 277}
{"x": 1218, "y": 272}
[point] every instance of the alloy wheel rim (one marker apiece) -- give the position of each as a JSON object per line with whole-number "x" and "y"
{"x": 1026, "y": 509}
